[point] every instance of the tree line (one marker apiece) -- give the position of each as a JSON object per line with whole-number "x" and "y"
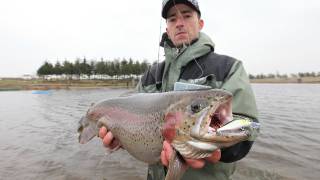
{"x": 284, "y": 76}
{"x": 129, "y": 67}
{"x": 115, "y": 67}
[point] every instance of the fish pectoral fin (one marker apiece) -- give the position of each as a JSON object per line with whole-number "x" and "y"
{"x": 177, "y": 167}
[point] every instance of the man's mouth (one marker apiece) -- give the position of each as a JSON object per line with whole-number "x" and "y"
{"x": 181, "y": 33}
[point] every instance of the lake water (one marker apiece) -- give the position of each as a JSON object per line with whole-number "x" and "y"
{"x": 38, "y": 138}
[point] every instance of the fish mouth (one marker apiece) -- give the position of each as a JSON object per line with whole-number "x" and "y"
{"x": 221, "y": 116}
{"x": 211, "y": 119}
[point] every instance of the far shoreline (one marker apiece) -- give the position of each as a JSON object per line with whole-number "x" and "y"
{"x": 41, "y": 85}
{"x": 14, "y": 84}
{"x": 303, "y": 80}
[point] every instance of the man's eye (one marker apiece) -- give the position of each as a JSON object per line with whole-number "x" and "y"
{"x": 171, "y": 19}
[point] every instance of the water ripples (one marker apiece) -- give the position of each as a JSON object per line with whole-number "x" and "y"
{"x": 39, "y": 141}
{"x": 289, "y": 137}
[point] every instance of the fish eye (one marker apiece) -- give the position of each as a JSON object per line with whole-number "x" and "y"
{"x": 197, "y": 106}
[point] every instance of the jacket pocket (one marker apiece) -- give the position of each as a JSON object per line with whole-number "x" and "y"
{"x": 209, "y": 80}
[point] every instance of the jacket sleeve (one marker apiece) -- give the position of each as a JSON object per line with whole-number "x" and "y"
{"x": 146, "y": 89}
{"x": 151, "y": 80}
{"x": 244, "y": 104}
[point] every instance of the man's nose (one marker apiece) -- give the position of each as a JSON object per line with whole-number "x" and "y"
{"x": 180, "y": 22}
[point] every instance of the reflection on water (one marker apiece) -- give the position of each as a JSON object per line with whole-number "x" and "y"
{"x": 39, "y": 141}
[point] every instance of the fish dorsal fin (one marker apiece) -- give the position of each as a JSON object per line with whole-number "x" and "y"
{"x": 91, "y": 106}
{"x": 177, "y": 167}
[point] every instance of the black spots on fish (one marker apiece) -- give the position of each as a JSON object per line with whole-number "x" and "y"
{"x": 146, "y": 144}
{"x": 187, "y": 124}
{"x": 184, "y": 126}
{"x": 156, "y": 130}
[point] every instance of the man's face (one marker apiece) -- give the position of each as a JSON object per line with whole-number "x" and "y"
{"x": 183, "y": 24}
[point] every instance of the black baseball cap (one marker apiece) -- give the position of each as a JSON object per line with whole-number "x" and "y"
{"x": 167, "y": 4}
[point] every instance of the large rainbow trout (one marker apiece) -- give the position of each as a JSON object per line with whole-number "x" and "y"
{"x": 196, "y": 123}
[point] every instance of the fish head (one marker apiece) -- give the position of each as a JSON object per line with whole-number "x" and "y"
{"x": 192, "y": 121}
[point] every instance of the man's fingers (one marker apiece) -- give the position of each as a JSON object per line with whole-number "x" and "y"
{"x": 215, "y": 156}
{"x": 102, "y": 132}
{"x": 166, "y": 153}
{"x": 195, "y": 163}
{"x": 167, "y": 149}
{"x": 107, "y": 139}
{"x": 164, "y": 159}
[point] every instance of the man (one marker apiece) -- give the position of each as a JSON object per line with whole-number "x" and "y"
{"x": 190, "y": 58}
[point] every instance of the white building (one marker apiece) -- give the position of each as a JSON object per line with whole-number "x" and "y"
{"x": 29, "y": 77}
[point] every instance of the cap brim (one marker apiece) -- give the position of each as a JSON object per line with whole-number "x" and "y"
{"x": 169, "y": 4}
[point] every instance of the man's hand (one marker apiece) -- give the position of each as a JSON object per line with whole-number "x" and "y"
{"x": 194, "y": 163}
{"x": 107, "y": 138}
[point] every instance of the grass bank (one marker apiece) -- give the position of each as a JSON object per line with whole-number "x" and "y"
{"x": 310, "y": 80}
{"x": 19, "y": 84}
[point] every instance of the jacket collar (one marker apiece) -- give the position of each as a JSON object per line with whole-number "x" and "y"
{"x": 177, "y": 58}
{"x": 185, "y": 54}
{"x": 165, "y": 40}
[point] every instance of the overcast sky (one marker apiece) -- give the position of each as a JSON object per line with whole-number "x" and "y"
{"x": 269, "y": 36}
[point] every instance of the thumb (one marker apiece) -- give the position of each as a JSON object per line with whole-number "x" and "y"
{"x": 166, "y": 153}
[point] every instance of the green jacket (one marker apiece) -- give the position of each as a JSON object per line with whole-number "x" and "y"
{"x": 199, "y": 64}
